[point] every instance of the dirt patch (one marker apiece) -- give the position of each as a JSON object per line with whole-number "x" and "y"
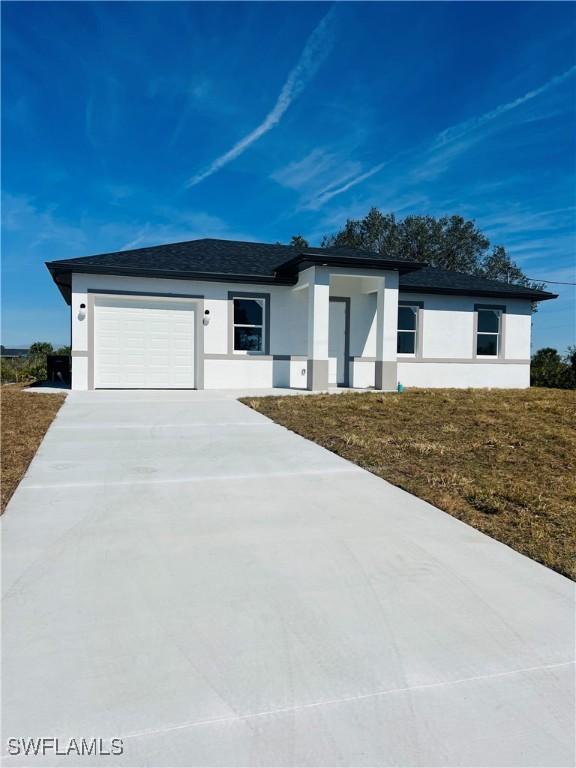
{"x": 25, "y": 418}
{"x": 501, "y": 461}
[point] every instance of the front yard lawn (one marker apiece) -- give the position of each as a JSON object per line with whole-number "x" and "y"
{"x": 502, "y": 461}
{"x": 25, "y": 418}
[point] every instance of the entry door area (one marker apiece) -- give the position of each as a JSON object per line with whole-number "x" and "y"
{"x": 143, "y": 343}
{"x": 338, "y": 332}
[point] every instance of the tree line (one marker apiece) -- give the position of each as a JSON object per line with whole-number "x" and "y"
{"x": 446, "y": 242}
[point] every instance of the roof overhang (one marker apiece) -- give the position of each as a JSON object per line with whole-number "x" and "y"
{"x": 305, "y": 260}
{"x": 62, "y": 276}
{"x": 527, "y": 295}
{"x": 285, "y": 274}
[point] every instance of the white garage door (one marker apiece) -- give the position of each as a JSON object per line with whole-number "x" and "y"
{"x": 143, "y": 343}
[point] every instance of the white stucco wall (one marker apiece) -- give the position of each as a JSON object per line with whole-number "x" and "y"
{"x": 288, "y": 328}
{"x": 446, "y": 326}
{"x": 464, "y": 375}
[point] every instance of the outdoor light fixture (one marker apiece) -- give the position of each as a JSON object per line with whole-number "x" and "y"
{"x": 206, "y": 318}
{"x": 82, "y": 312}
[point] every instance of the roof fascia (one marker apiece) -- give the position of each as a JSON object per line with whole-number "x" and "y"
{"x": 534, "y": 296}
{"x": 304, "y": 260}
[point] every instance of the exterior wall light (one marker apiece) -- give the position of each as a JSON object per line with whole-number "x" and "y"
{"x": 82, "y": 312}
{"x": 206, "y": 318}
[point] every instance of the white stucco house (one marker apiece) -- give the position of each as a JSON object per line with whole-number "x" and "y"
{"x": 225, "y": 314}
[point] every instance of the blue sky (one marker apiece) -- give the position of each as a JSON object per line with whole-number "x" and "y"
{"x": 129, "y": 124}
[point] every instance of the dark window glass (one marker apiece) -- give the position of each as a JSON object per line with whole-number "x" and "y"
{"x": 248, "y": 339}
{"x": 247, "y": 312}
{"x": 406, "y": 343}
{"x": 488, "y": 321}
{"x": 406, "y": 319}
{"x": 487, "y": 344}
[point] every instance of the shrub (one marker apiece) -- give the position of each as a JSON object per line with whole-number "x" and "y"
{"x": 29, "y": 368}
{"x": 8, "y": 372}
{"x": 549, "y": 369}
{"x": 14, "y": 371}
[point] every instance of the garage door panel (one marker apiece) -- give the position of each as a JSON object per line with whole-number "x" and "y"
{"x": 143, "y": 343}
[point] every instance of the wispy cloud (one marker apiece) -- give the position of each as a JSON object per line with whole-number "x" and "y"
{"x": 315, "y": 51}
{"x": 33, "y": 234}
{"x": 420, "y": 164}
{"x": 457, "y": 132}
{"x": 22, "y": 216}
{"x": 334, "y": 190}
{"x": 318, "y": 168}
{"x": 459, "y": 138}
{"x": 175, "y": 225}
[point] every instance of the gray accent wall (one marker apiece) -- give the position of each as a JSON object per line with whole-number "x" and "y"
{"x": 317, "y": 372}
{"x": 386, "y": 375}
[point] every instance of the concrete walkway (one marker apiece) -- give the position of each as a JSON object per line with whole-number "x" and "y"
{"x": 183, "y": 574}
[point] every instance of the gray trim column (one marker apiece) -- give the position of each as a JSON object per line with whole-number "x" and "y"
{"x": 91, "y": 299}
{"x": 386, "y": 367}
{"x": 199, "y": 343}
{"x": 385, "y": 374}
{"x": 318, "y": 328}
{"x": 317, "y": 374}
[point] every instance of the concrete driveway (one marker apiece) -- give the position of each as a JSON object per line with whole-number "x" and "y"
{"x": 183, "y": 574}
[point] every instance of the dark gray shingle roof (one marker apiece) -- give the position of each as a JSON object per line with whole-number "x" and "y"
{"x": 266, "y": 263}
{"x": 434, "y": 280}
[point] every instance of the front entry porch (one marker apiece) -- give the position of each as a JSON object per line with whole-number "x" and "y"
{"x": 352, "y": 327}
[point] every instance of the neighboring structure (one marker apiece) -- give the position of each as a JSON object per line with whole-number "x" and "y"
{"x": 13, "y": 353}
{"x": 225, "y": 314}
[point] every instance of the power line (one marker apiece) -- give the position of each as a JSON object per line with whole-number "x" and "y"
{"x": 554, "y": 282}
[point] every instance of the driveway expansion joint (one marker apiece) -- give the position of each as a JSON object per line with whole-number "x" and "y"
{"x": 346, "y": 700}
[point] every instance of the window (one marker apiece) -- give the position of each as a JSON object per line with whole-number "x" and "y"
{"x": 488, "y": 333}
{"x": 407, "y": 329}
{"x": 249, "y": 320}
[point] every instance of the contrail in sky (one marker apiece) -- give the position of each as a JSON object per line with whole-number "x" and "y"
{"x": 315, "y": 51}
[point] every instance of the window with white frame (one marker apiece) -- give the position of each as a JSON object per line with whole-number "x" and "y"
{"x": 407, "y": 343}
{"x": 249, "y": 324}
{"x": 488, "y": 332}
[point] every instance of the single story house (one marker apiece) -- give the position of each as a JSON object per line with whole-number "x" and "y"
{"x": 225, "y": 314}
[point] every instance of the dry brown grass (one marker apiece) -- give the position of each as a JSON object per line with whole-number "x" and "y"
{"x": 25, "y": 419}
{"x": 501, "y": 461}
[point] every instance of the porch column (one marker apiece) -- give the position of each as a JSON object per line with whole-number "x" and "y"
{"x": 386, "y": 376}
{"x": 318, "y": 321}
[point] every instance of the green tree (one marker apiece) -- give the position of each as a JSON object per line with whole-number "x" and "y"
{"x": 549, "y": 369}
{"x": 375, "y": 232}
{"x": 499, "y": 266}
{"x": 297, "y": 241}
{"x": 448, "y": 242}
{"x": 41, "y": 348}
{"x": 36, "y": 363}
